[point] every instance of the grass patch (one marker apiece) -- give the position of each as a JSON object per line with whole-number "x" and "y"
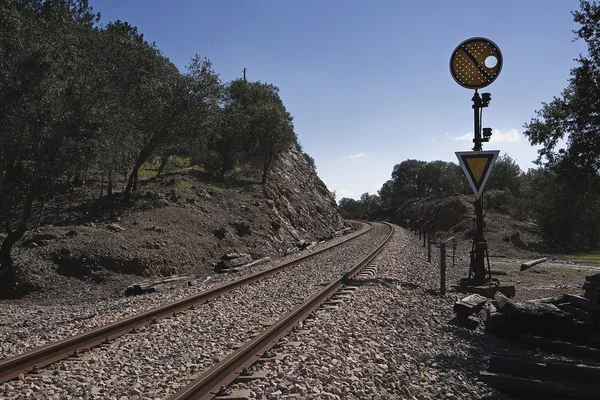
{"x": 583, "y": 257}
{"x": 184, "y": 185}
{"x": 217, "y": 188}
{"x": 242, "y": 197}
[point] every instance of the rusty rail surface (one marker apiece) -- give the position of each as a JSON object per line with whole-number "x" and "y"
{"x": 12, "y": 367}
{"x": 227, "y": 370}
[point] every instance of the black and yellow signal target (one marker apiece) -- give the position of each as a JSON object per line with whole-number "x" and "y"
{"x": 476, "y": 63}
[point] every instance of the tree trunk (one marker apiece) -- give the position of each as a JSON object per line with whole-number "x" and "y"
{"x": 135, "y": 180}
{"x": 163, "y": 163}
{"x": 5, "y": 258}
{"x": 266, "y": 166}
{"x": 133, "y": 177}
{"x": 102, "y": 186}
{"x": 6, "y": 262}
{"x": 109, "y": 188}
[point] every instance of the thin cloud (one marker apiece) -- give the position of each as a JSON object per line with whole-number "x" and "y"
{"x": 359, "y": 155}
{"x": 466, "y": 136}
{"x": 444, "y": 135}
{"x": 509, "y": 136}
{"x": 512, "y": 135}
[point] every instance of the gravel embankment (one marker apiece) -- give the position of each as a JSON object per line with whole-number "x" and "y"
{"x": 164, "y": 357}
{"x": 26, "y": 325}
{"x": 392, "y": 339}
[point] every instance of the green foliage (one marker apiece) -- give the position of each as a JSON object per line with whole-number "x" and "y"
{"x": 584, "y": 257}
{"x": 575, "y": 115}
{"x": 79, "y": 100}
{"x": 359, "y": 209}
{"x": 310, "y": 160}
{"x": 254, "y": 128}
{"x": 217, "y": 189}
{"x": 567, "y": 205}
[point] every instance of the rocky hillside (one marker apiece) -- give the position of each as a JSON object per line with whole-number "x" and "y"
{"x": 182, "y": 223}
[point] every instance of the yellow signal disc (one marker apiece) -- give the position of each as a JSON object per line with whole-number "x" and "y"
{"x": 476, "y": 63}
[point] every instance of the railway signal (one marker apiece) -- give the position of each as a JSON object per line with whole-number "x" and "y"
{"x": 475, "y": 64}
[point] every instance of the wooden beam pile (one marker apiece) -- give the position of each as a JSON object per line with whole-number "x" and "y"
{"x": 568, "y": 325}
{"x": 542, "y": 378}
{"x": 569, "y": 318}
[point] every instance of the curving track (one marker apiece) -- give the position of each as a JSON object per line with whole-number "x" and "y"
{"x": 237, "y": 311}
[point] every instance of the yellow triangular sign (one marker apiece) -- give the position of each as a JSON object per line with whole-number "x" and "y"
{"x": 477, "y": 166}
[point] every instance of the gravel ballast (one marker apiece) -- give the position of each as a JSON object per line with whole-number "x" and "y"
{"x": 166, "y": 355}
{"x": 394, "y": 338}
{"x": 25, "y": 325}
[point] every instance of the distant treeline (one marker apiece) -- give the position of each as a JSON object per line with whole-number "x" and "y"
{"x": 84, "y": 101}
{"x": 565, "y": 206}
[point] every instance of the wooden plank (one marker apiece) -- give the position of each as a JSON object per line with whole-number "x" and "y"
{"x": 582, "y": 302}
{"x": 550, "y": 300}
{"x": 593, "y": 278}
{"x": 513, "y": 384}
{"x": 506, "y": 306}
{"x": 591, "y": 286}
{"x": 469, "y": 305}
{"x": 258, "y": 262}
{"x": 236, "y": 262}
{"x": 577, "y": 312}
{"x": 557, "y": 346}
{"x": 592, "y": 295}
{"x": 547, "y": 370}
{"x": 531, "y": 263}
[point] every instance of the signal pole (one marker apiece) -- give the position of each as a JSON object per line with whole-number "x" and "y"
{"x": 475, "y": 64}
{"x": 479, "y": 243}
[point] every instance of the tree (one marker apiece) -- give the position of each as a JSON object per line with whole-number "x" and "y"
{"x": 174, "y": 106}
{"x": 386, "y": 194}
{"x": 569, "y": 213}
{"x": 349, "y": 208}
{"x": 256, "y": 127}
{"x": 575, "y": 115}
{"x": 48, "y": 124}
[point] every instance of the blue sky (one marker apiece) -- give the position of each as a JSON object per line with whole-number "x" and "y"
{"x": 368, "y": 82}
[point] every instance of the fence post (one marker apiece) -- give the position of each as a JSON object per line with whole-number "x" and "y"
{"x": 419, "y": 233}
{"x": 428, "y": 248}
{"x": 424, "y": 236}
{"x": 443, "y": 268}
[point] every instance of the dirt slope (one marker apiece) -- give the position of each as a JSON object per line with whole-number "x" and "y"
{"x": 182, "y": 223}
{"x": 454, "y": 216}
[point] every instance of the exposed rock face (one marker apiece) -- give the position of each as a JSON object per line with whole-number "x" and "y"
{"x": 185, "y": 221}
{"x": 301, "y": 202}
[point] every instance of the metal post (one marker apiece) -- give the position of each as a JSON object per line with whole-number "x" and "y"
{"x": 443, "y": 268}
{"x": 479, "y": 243}
{"x": 428, "y": 248}
{"x": 478, "y": 266}
{"x": 424, "y": 235}
{"x": 476, "y": 109}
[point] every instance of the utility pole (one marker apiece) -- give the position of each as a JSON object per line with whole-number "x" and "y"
{"x": 244, "y": 74}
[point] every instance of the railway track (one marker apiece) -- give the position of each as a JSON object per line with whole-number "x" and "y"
{"x": 214, "y": 380}
{"x": 32, "y": 361}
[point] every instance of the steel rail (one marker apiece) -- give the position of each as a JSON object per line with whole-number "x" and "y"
{"x": 30, "y": 361}
{"x": 227, "y": 370}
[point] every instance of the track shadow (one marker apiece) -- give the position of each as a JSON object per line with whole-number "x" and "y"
{"x": 373, "y": 281}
